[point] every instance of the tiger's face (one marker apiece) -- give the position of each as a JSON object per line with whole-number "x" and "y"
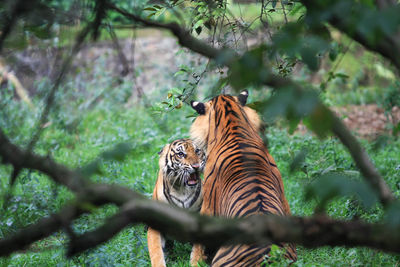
{"x": 182, "y": 162}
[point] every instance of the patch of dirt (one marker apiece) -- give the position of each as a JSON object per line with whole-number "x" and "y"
{"x": 146, "y": 60}
{"x": 368, "y": 121}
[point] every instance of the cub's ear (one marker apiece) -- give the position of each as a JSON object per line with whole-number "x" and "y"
{"x": 243, "y": 97}
{"x": 199, "y": 107}
{"x": 162, "y": 149}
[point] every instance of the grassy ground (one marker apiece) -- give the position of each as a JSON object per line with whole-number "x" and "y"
{"x": 77, "y": 135}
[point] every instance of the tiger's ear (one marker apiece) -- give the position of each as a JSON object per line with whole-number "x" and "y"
{"x": 199, "y": 107}
{"x": 162, "y": 149}
{"x": 243, "y": 97}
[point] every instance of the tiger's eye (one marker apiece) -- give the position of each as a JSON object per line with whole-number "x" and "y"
{"x": 197, "y": 151}
{"x": 181, "y": 154}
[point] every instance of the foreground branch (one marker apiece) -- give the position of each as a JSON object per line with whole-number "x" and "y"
{"x": 44, "y": 228}
{"x": 74, "y": 180}
{"x": 261, "y": 229}
{"x": 211, "y": 231}
{"x": 360, "y": 157}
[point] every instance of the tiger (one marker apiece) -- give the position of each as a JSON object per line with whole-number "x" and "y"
{"x": 241, "y": 178}
{"x": 179, "y": 184}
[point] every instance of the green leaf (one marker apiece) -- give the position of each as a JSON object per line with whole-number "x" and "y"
{"x": 319, "y": 121}
{"x": 249, "y": 69}
{"x": 278, "y": 104}
{"x": 392, "y": 216}
{"x": 334, "y": 51}
{"x": 396, "y": 129}
{"x": 293, "y": 123}
{"x": 198, "y": 24}
{"x": 341, "y": 75}
{"x": 309, "y": 57}
{"x": 92, "y": 168}
{"x": 150, "y": 9}
{"x": 150, "y": 15}
{"x": 332, "y": 185}
{"x": 298, "y": 161}
{"x": 118, "y": 152}
{"x": 256, "y": 105}
{"x": 39, "y": 31}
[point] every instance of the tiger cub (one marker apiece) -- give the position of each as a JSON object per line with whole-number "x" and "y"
{"x": 178, "y": 184}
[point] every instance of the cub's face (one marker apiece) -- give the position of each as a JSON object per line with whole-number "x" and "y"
{"x": 181, "y": 163}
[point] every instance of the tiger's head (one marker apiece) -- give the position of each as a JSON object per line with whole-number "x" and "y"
{"x": 215, "y": 110}
{"x": 181, "y": 163}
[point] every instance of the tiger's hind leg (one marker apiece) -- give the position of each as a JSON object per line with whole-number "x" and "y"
{"x": 156, "y": 242}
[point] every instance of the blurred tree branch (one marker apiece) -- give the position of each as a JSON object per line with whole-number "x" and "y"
{"x": 388, "y": 45}
{"x": 214, "y": 232}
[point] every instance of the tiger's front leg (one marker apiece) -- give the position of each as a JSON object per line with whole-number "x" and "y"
{"x": 198, "y": 254}
{"x": 155, "y": 243}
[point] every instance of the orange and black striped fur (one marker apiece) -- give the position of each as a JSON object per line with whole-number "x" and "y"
{"x": 178, "y": 184}
{"x": 240, "y": 176}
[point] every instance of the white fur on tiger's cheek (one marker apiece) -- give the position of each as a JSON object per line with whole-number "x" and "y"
{"x": 165, "y": 169}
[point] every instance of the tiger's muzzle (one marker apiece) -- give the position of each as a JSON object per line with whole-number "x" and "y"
{"x": 194, "y": 177}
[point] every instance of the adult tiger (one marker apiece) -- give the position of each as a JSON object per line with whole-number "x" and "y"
{"x": 178, "y": 184}
{"x": 240, "y": 176}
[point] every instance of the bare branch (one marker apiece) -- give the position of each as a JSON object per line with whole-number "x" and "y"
{"x": 44, "y": 228}
{"x": 121, "y": 55}
{"x": 213, "y": 232}
{"x": 338, "y": 128}
{"x": 263, "y": 229}
{"x": 73, "y": 180}
{"x": 12, "y": 154}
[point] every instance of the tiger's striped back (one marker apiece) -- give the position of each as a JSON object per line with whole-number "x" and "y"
{"x": 241, "y": 177}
